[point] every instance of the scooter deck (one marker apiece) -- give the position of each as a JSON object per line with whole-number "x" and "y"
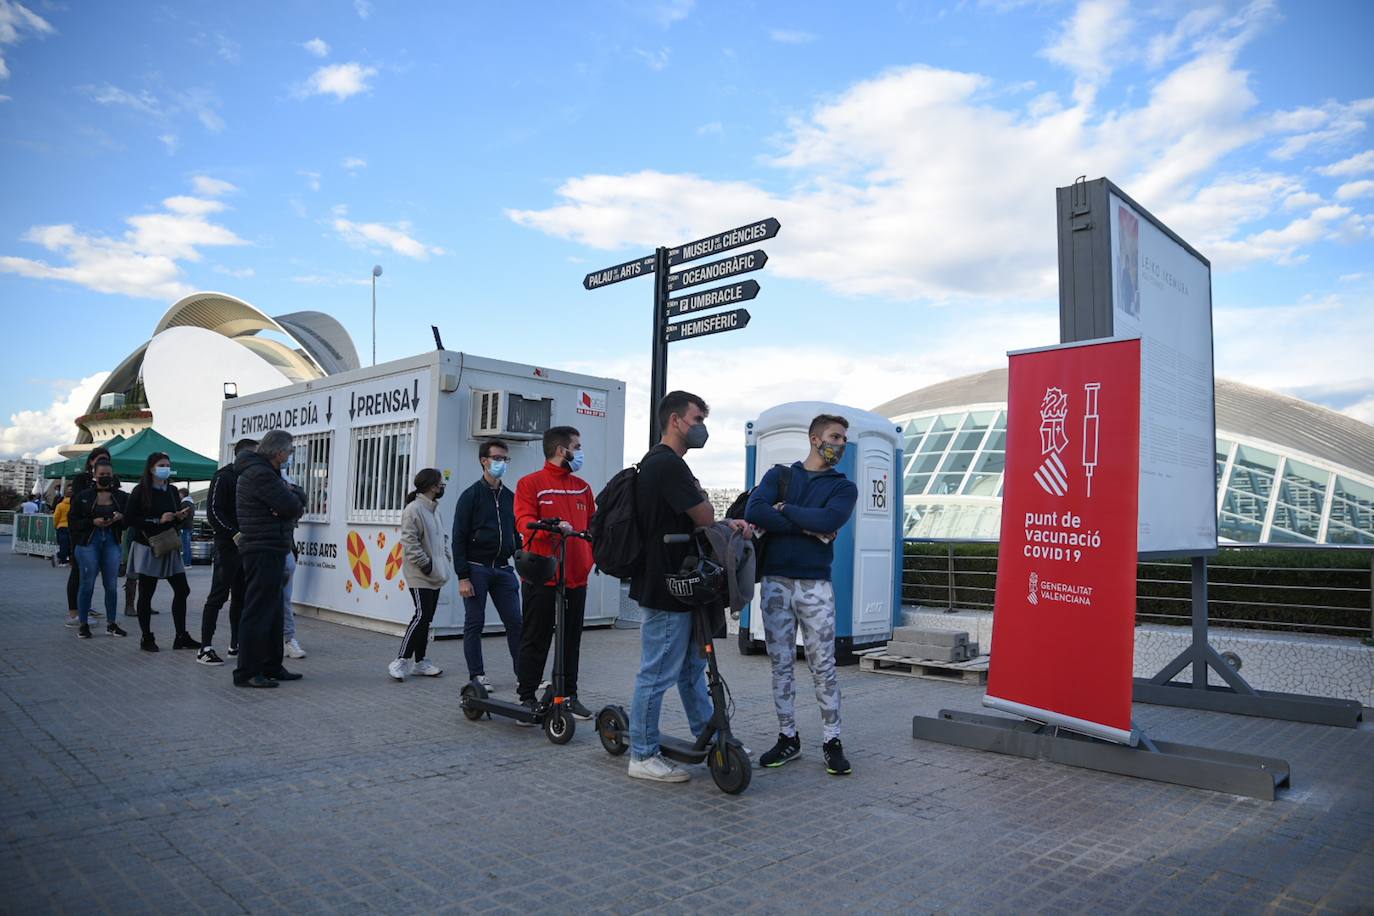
{"x": 504, "y": 708}
{"x": 682, "y": 751}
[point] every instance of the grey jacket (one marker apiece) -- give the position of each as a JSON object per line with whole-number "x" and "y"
{"x": 427, "y": 560}
{"x": 735, "y": 551}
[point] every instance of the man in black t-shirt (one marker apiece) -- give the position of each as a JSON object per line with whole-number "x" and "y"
{"x": 670, "y": 502}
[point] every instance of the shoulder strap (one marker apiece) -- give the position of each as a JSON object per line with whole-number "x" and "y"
{"x": 784, "y": 481}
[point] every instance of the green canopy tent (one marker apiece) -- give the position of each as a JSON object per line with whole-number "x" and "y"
{"x": 70, "y": 467}
{"x": 129, "y": 456}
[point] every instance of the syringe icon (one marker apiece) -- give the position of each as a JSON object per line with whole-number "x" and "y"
{"x": 1090, "y": 432}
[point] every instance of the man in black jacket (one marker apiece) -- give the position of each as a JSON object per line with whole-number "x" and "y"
{"x": 267, "y": 510}
{"x": 484, "y": 538}
{"x": 227, "y": 579}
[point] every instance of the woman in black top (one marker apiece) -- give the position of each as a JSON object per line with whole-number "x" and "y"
{"x": 154, "y": 507}
{"x": 80, "y": 482}
{"x": 97, "y": 523}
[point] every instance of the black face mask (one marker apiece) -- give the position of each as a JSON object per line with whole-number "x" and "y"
{"x": 105, "y": 483}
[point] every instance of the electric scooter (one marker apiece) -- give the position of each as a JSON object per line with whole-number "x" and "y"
{"x": 551, "y": 709}
{"x": 724, "y": 754}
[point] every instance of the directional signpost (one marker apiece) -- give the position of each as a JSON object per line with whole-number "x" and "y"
{"x": 665, "y": 281}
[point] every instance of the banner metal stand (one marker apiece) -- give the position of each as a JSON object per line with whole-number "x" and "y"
{"x": 1237, "y": 697}
{"x": 1162, "y": 761}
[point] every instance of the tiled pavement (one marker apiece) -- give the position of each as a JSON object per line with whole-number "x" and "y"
{"x": 135, "y": 782}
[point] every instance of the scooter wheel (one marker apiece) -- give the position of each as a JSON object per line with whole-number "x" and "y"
{"x": 730, "y": 769}
{"x": 470, "y": 692}
{"x": 559, "y": 725}
{"x": 611, "y": 727}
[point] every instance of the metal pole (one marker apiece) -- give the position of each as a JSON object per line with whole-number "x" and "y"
{"x": 374, "y": 319}
{"x": 949, "y": 552}
{"x": 1200, "y": 623}
{"x": 658, "y": 375}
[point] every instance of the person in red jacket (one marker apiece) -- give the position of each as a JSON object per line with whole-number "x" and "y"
{"x": 554, "y": 491}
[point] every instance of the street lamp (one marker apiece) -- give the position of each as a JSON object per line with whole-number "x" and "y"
{"x": 376, "y": 272}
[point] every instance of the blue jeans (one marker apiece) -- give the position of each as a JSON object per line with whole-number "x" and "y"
{"x": 186, "y": 546}
{"x": 504, "y": 588}
{"x": 288, "y": 618}
{"x": 666, "y": 656}
{"x": 99, "y": 557}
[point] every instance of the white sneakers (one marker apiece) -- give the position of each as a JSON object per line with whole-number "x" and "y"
{"x": 293, "y": 649}
{"x": 399, "y": 668}
{"x": 658, "y": 769}
{"x": 426, "y": 668}
{"x": 486, "y": 684}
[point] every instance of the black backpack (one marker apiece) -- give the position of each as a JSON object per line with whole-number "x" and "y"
{"x": 737, "y": 508}
{"x": 617, "y": 539}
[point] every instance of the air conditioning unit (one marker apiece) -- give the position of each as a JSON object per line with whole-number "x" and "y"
{"x": 508, "y": 415}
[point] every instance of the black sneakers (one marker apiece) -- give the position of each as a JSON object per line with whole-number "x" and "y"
{"x": 531, "y": 706}
{"x": 148, "y": 644}
{"x": 208, "y": 656}
{"x": 578, "y": 710}
{"x": 83, "y": 631}
{"x": 184, "y": 641}
{"x": 835, "y": 762}
{"x": 785, "y": 750}
{"x": 114, "y": 629}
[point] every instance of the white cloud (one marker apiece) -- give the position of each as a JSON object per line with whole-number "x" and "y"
{"x": 330, "y": 280}
{"x": 38, "y": 433}
{"x": 374, "y": 236}
{"x": 667, "y": 12}
{"x": 6, "y": 98}
{"x": 1353, "y": 189}
{"x": 791, "y": 36}
{"x": 654, "y": 60}
{"x": 140, "y": 263}
{"x": 339, "y": 80}
{"x": 317, "y": 47}
{"x": 238, "y": 273}
{"x": 740, "y": 383}
{"x": 171, "y": 142}
{"x": 1089, "y": 43}
{"x": 1322, "y": 127}
{"x": 1196, "y": 22}
{"x": 200, "y": 104}
{"x": 363, "y": 8}
{"x": 1357, "y": 164}
{"x": 18, "y": 22}
{"x": 865, "y": 182}
{"x": 311, "y": 178}
{"x": 212, "y": 187}
{"x": 352, "y": 164}
{"x": 712, "y": 127}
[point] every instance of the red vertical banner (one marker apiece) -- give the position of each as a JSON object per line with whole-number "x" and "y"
{"x": 1063, "y": 629}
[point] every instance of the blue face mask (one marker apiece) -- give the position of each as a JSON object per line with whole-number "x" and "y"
{"x": 162, "y": 473}
{"x": 497, "y": 469}
{"x": 575, "y": 464}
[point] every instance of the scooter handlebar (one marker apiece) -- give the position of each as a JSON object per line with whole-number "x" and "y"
{"x": 552, "y": 526}
{"x": 677, "y": 539}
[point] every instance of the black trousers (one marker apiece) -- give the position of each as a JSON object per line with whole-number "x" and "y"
{"x": 417, "y": 634}
{"x": 180, "y": 591}
{"x": 225, "y": 583}
{"x": 538, "y": 634}
{"x": 73, "y": 583}
{"x": 260, "y": 629}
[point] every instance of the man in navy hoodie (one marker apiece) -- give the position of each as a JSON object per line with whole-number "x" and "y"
{"x": 796, "y": 589}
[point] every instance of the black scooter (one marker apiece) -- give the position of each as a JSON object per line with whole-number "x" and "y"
{"x": 726, "y": 757}
{"x": 551, "y": 710}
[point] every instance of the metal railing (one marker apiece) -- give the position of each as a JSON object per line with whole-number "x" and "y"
{"x": 1335, "y": 596}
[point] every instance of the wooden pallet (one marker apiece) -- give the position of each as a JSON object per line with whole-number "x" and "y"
{"x": 974, "y": 671}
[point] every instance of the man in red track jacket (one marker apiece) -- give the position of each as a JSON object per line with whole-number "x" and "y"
{"x": 555, "y": 491}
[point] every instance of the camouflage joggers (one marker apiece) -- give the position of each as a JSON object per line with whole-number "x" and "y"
{"x": 810, "y": 603}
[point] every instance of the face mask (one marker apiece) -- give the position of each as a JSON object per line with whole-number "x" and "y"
{"x": 440, "y": 494}
{"x": 575, "y": 463}
{"x": 496, "y": 469}
{"x": 830, "y": 453}
{"x": 162, "y": 473}
{"x": 697, "y": 435}
{"x": 105, "y": 483}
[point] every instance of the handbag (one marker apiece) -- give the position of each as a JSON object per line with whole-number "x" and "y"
{"x": 164, "y": 542}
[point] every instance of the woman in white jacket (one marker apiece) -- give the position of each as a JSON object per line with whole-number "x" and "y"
{"x": 426, "y": 565}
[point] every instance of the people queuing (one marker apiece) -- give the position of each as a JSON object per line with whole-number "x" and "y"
{"x": 79, "y": 483}
{"x": 155, "y": 511}
{"x": 796, "y": 587}
{"x": 555, "y": 491}
{"x": 226, "y": 582}
{"x": 426, "y": 564}
{"x": 484, "y": 540}
{"x": 97, "y": 523}
{"x": 267, "y": 509}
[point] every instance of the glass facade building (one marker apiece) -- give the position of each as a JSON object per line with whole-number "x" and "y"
{"x": 1288, "y": 472}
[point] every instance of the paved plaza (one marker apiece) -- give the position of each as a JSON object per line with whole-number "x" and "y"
{"x": 146, "y": 783}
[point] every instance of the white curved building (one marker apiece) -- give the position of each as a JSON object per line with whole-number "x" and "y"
{"x": 207, "y": 339}
{"x": 1288, "y": 471}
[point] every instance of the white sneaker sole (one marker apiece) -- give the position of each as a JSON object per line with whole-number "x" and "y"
{"x": 649, "y": 777}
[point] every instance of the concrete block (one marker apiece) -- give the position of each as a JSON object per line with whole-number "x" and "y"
{"x": 931, "y": 637}
{"x": 927, "y": 651}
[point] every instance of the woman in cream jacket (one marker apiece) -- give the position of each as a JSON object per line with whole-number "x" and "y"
{"x": 426, "y": 565}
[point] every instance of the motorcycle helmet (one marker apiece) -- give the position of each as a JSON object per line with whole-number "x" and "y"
{"x": 535, "y": 567}
{"x": 700, "y": 581}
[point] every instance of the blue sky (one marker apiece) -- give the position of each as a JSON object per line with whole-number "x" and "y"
{"x": 489, "y": 155}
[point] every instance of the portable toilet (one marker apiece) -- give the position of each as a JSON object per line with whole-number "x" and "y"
{"x": 867, "y": 574}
